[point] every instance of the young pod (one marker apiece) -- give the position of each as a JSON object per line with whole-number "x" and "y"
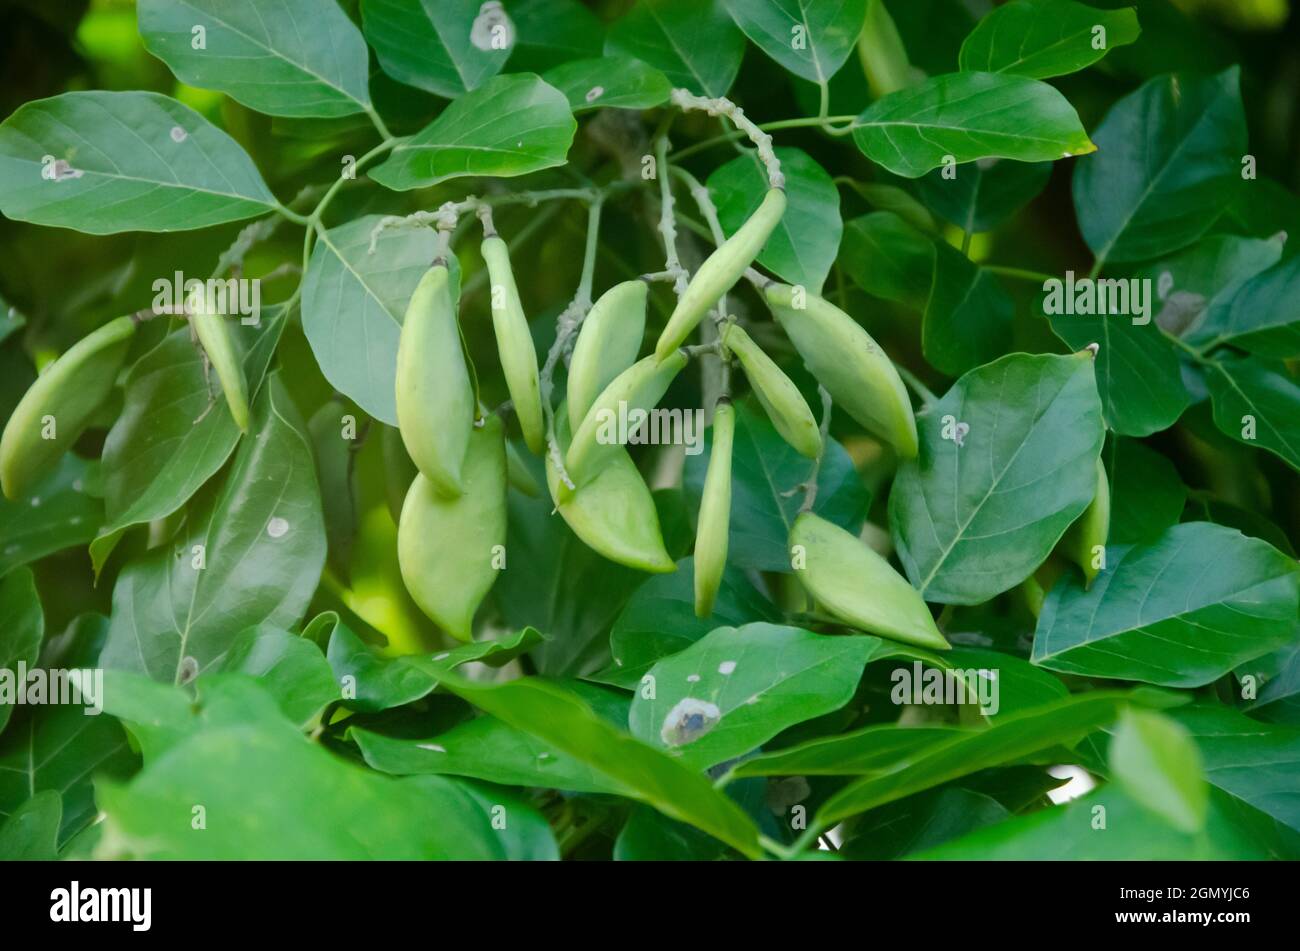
{"x": 613, "y": 513}
{"x": 780, "y": 398}
{"x": 515, "y": 344}
{"x": 1085, "y": 541}
{"x": 451, "y": 549}
{"x": 55, "y": 411}
{"x": 720, "y": 271}
{"x": 435, "y": 397}
{"x": 855, "y": 585}
{"x": 607, "y": 345}
{"x": 218, "y": 341}
{"x": 715, "y": 512}
{"x": 852, "y": 367}
{"x": 629, "y": 396}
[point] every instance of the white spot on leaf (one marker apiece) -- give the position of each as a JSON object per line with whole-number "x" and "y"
{"x": 277, "y": 527}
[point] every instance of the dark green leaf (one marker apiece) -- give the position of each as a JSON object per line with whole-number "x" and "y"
{"x": 511, "y": 125}
{"x": 433, "y": 45}
{"x": 981, "y": 508}
{"x": 810, "y": 38}
{"x": 610, "y": 81}
{"x": 1181, "y": 611}
{"x": 57, "y": 513}
{"x": 1257, "y": 404}
{"x": 124, "y": 161}
{"x": 693, "y": 42}
{"x": 290, "y": 58}
{"x": 1044, "y": 38}
{"x": 21, "y": 633}
{"x": 968, "y": 317}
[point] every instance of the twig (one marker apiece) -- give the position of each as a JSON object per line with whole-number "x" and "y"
{"x": 722, "y": 106}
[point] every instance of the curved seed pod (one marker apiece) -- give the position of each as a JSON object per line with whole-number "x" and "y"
{"x": 450, "y": 550}
{"x": 518, "y": 475}
{"x": 715, "y": 512}
{"x": 607, "y": 345}
{"x": 214, "y": 333}
{"x": 435, "y": 398}
{"x": 515, "y": 344}
{"x": 857, "y": 586}
{"x": 56, "y": 409}
{"x": 639, "y": 387}
{"x": 1090, "y": 530}
{"x": 852, "y": 367}
{"x": 613, "y": 513}
{"x": 720, "y": 271}
{"x": 781, "y": 399}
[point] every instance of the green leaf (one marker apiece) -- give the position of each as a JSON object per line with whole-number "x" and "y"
{"x": 291, "y": 58}
{"x": 649, "y": 837}
{"x": 1138, "y": 374}
{"x": 1205, "y": 276}
{"x": 610, "y": 82}
{"x": 1179, "y": 612}
{"x": 1256, "y": 764}
{"x": 888, "y": 258}
{"x": 1261, "y": 316}
{"x": 737, "y": 687}
{"x": 1044, "y": 38}
{"x": 649, "y": 776}
{"x": 1278, "y": 701}
{"x": 59, "y": 512}
{"x": 1169, "y": 162}
{"x": 432, "y": 44}
{"x": 290, "y": 668}
{"x": 263, "y": 775}
{"x": 1146, "y": 494}
{"x": 969, "y": 116}
{"x": 1105, "y": 825}
{"x": 353, "y": 304}
{"x": 968, "y": 317}
{"x": 261, "y": 540}
{"x": 893, "y": 765}
{"x": 1258, "y": 404}
{"x": 659, "y": 619}
{"x": 23, "y": 628}
{"x": 980, "y": 509}
{"x": 810, "y": 38}
{"x": 1018, "y": 684}
{"x": 511, "y": 125}
{"x": 764, "y": 467}
{"x": 175, "y": 430}
{"x": 1154, "y": 759}
{"x": 124, "y": 161}
{"x": 693, "y": 42}
{"x": 31, "y": 833}
{"x": 488, "y": 749}
{"x": 803, "y": 246}
{"x": 61, "y": 747}
{"x": 983, "y": 194}
{"x": 921, "y": 822}
{"x": 381, "y": 683}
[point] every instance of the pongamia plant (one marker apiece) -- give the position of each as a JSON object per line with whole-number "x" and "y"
{"x": 661, "y": 429}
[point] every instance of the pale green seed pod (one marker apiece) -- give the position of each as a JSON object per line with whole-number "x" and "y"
{"x": 56, "y": 409}
{"x": 607, "y": 345}
{"x": 515, "y": 344}
{"x": 855, "y": 585}
{"x": 450, "y": 550}
{"x": 435, "y": 397}
{"x": 613, "y": 513}
{"x": 720, "y": 271}
{"x": 715, "y": 512}
{"x": 855, "y": 371}
{"x": 776, "y": 392}
{"x": 1090, "y": 530}
{"x": 639, "y": 387}
{"x": 217, "y": 337}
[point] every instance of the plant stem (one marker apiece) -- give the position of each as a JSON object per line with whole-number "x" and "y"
{"x": 721, "y": 106}
{"x": 667, "y": 218}
{"x": 1018, "y": 273}
{"x": 928, "y": 399}
{"x": 810, "y": 484}
{"x": 769, "y": 127}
